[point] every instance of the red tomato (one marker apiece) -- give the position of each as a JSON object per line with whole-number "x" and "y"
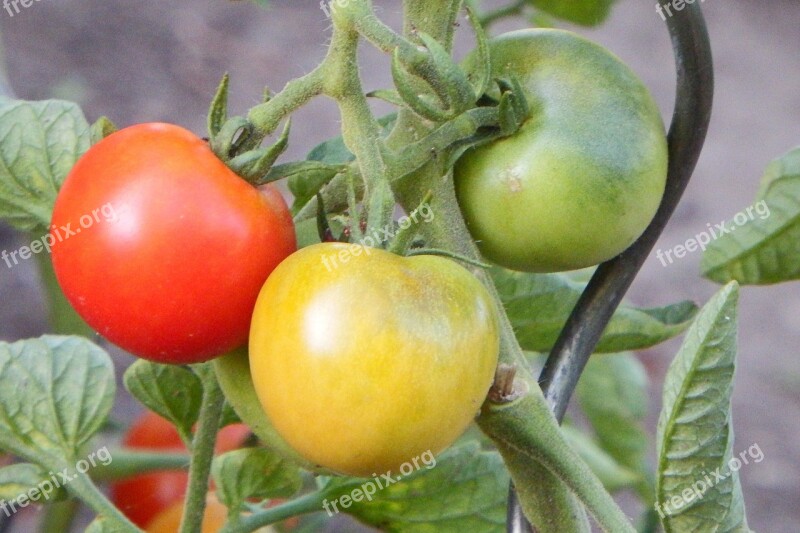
{"x": 162, "y": 248}
{"x": 142, "y": 497}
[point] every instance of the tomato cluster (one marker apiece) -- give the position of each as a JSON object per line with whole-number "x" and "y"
{"x": 363, "y": 364}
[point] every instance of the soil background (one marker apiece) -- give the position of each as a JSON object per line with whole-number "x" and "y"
{"x": 152, "y": 60}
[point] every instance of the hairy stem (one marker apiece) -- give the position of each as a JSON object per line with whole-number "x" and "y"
{"x": 202, "y": 449}
{"x": 84, "y": 488}
{"x": 266, "y": 117}
{"x": 360, "y": 130}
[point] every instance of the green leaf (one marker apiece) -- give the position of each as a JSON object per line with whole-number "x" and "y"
{"x": 39, "y": 144}
{"x": 228, "y": 416}
{"x": 55, "y": 393}
{"x": 30, "y": 480}
{"x": 762, "y": 244}
{"x": 101, "y": 128}
{"x": 583, "y": 12}
{"x": 421, "y": 103}
{"x": 612, "y": 393}
{"x": 387, "y": 95}
{"x": 306, "y": 179}
{"x": 254, "y": 165}
{"x": 326, "y": 160}
{"x": 480, "y": 76}
{"x": 171, "y": 391}
{"x": 695, "y": 436}
{"x": 613, "y": 475}
{"x": 334, "y": 152}
{"x": 465, "y": 489}
{"x": 218, "y": 110}
{"x": 254, "y": 473}
{"x": 538, "y": 306}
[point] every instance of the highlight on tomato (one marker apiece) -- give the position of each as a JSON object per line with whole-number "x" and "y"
{"x": 162, "y": 248}
{"x": 379, "y": 359}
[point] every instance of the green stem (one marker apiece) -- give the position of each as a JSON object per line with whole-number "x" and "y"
{"x": 84, "y": 488}
{"x": 129, "y": 463}
{"x": 437, "y": 18}
{"x": 360, "y": 131}
{"x": 202, "y": 449}
{"x": 63, "y": 318}
{"x": 266, "y": 117}
{"x": 490, "y": 17}
{"x": 525, "y": 430}
{"x": 363, "y": 19}
{"x": 59, "y": 516}
{"x": 551, "y": 508}
{"x": 418, "y": 153}
{"x": 309, "y": 503}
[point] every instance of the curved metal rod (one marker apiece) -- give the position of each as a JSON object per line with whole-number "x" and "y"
{"x": 695, "y": 89}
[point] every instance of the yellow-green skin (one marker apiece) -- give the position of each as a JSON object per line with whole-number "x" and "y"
{"x": 364, "y": 360}
{"x": 584, "y": 175}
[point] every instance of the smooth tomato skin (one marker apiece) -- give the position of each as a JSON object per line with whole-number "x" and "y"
{"x": 144, "y": 496}
{"x": 366, "y": 363}
{"x": 170, "y": 267}
{"x": 584, "y": 175}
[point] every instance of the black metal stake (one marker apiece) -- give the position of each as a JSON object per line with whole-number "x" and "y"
{"x": 694, "y": 96}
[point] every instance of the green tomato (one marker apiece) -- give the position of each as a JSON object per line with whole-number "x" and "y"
{"x": 365, "y": 361}
{"x": 584, "y": 175}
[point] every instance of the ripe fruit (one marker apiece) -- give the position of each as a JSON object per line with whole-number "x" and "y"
{"x": 161, "y": 248}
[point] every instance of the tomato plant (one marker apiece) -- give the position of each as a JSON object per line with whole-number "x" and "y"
{"x": 360, "y": 333}
{"x": 144, "y": 496}
{"x": 161, "y": 248}
{"x": 584, "y": 175}
{"x": 398, "y": 352}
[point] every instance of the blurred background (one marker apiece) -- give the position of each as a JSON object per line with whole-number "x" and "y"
{"x": 152, "y": 60}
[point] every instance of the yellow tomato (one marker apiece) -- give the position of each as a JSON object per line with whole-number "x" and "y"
{"x": 364, "y": 360}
